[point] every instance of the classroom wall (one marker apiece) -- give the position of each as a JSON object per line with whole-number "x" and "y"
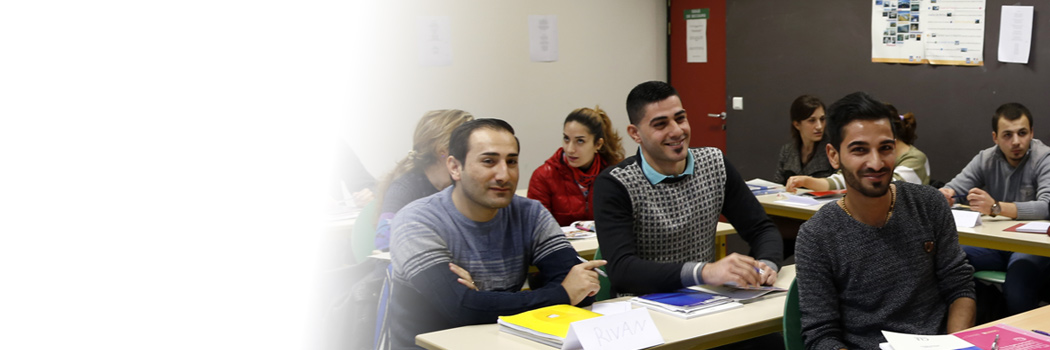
{"x": 778, "y": 50}
{"x": 605, "y": 50}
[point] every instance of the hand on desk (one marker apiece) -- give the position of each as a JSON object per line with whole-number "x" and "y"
{"x": 582, "y": 281}
{"x": 740, "y": 269}
{"x": 816, "y": 184}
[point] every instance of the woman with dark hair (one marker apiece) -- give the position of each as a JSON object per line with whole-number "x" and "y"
{"x": 806, "y": 155}
{"x": 564, "y": 182}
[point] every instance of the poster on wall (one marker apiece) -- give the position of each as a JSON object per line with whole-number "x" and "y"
{"x": 543, "y": 38}
{"x": 942, "y": 32}
{"x": 696, "y": 35}
{"x": 434, "y": 40}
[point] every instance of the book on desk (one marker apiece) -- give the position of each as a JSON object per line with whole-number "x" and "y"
{"x": 546, "y": 325}
{"x": 686, "y": 303}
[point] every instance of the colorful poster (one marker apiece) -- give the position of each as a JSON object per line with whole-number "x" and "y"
{"x": 944, "y": 32}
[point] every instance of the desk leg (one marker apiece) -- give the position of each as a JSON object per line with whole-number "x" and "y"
{"x": 720, "y": 246}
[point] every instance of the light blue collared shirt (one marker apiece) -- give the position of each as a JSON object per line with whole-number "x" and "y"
{"x": 656, "y": 177}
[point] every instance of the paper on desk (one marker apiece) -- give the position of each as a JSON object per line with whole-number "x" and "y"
{"x": 1015, "y": 34}
{"x": 966, "y": 218}
{"x": 611, "y": 308}
{"x": 736, "y": 293}
{"x": 1034, "y": 227}
{"x": 763, "y": 183}
{"x": 903, "y": 341}
{"x": 800, "y": 201}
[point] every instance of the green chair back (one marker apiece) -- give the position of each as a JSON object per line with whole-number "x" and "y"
{"x": 363, "y": 236}
{"x": 792, "y": 320}
{"x": 604, "y": 293}
{"x": 990, "y": 276}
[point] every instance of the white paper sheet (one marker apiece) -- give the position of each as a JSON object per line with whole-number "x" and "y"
{"x": 1015, "y": 34}
{"x": 800, "y": 201}
{"x": 1034, "y": 227}
{"x": 612, "y": 308}
{"x": 435, "y": 40}
{"x": 696, "y": 40}
{"x": 543, "y": 38}
{"x": 903, "y": 341}
{"x": 966, "y": 218}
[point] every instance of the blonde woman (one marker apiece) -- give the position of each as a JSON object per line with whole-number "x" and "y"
{"x": 422, "y": 172}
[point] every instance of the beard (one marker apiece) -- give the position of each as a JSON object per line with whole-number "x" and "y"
{"x": 877, "y": 189}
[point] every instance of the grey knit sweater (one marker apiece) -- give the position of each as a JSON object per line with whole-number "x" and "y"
{"x": 855, "y": 280}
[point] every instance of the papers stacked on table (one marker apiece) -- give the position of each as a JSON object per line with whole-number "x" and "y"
{"x": 579, "y": 230}
{"x": 686, "y": 303}
{"x": 760, "y": 187}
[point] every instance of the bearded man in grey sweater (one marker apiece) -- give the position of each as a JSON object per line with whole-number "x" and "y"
{"x": 884, "y": 257}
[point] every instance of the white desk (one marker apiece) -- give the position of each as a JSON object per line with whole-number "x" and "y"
{"x": 754, "y": 319}
{"x": 990, "y": 234}
{"x": 768, "y": 202}
{"x": 1034, "y": 319}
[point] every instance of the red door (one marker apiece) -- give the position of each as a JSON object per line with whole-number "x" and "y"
{"x": 702, "y": 86}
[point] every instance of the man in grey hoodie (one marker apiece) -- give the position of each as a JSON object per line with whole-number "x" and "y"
{"x": 1010, "y": 179}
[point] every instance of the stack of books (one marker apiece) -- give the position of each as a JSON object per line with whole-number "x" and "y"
{"x": 686, "y": 303}
{"x": 760, "y": 187}
{"x": 547, "y": 325}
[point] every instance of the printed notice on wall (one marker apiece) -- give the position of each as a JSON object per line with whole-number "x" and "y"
{"x": 944, "y": 32}
{"x": 435, "y": 40}
{"x": 543, "y": 38}
{"x": 1015, "y": 34}
{"x": 696, "y": 35}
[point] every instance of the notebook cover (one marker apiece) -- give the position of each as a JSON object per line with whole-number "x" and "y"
{"x": 681, "y": 298}
{"x": 1014, "y": 229}
{"x": 553, "y": 320}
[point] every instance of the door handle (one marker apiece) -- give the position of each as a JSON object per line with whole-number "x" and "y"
{"x": 720, "y": 115}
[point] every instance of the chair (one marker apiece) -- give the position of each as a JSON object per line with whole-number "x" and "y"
{"x": 792, "y": 320}
{"x": 990, "y": 276}
{"x": 363, "y": 235}
{"x": 604, "y": 282}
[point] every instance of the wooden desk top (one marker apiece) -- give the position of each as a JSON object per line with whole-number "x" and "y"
{"x": 768, "y": 202}
{"x": 1034, "y": 319}
{"x": 990, "y": 234}
{"x": 756, "y": 318}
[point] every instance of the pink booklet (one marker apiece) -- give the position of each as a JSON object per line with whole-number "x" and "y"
{"x": 1009, "y": 338}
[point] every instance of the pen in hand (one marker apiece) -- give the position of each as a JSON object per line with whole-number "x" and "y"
{"x": 598, "y": 270}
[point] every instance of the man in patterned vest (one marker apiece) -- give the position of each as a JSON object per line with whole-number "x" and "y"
{"x": 656, "y": 212}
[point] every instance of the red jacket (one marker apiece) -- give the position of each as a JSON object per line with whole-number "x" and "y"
{"x": 552, "y": 184}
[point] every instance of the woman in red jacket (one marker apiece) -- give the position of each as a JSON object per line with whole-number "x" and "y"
{"x": 564, "y": 182}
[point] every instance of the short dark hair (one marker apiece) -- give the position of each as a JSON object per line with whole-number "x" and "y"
{"x": 1011, "y": 111}
{"x": 644, "y": 94}
{"x": 459, "y": 142}
{"x": 855, "y": 106}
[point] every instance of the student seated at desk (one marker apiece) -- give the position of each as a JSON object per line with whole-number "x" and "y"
{"x": 656, "y": 212}
{"x": 1010, "y": 179}
{"x": 911, "y": 163}
{"x": 460, "y": 256}
{"x": 565, "y": 182}
{"x": 884, "y": 257}
{"x": 422, "y": 172}
{"x": 806, "y": 155}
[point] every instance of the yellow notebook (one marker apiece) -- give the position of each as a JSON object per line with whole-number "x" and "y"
{"x": 553, "y": 320}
